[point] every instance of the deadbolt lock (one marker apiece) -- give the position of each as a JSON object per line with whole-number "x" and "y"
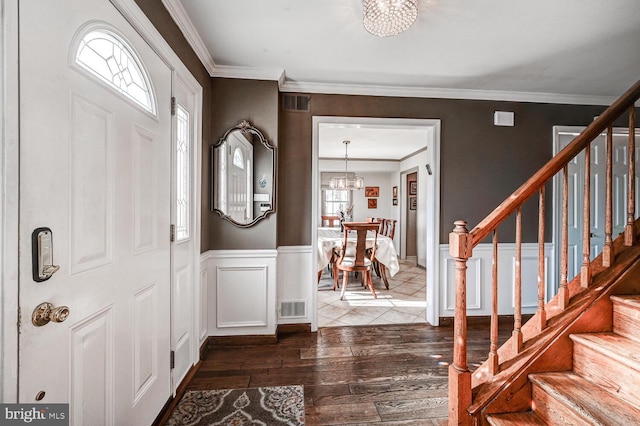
{"x": 45, "y": 312}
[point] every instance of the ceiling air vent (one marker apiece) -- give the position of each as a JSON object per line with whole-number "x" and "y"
{"x": 295, "y": 103}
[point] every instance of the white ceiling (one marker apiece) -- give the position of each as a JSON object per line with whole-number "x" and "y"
{"x": 568, "y": 51}
{"x": 370, "y": 141}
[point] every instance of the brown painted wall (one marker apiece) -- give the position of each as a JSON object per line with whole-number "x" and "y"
{"x": 481, "y": 164}
{"x": 256, "y": 101}
{"x": 161, "y": 19}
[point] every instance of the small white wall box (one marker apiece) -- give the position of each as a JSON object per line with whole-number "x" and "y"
{"x": 503, "y": 118}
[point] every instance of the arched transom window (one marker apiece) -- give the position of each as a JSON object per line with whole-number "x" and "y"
{"x": 238, "y": 158}
{"x": 109, "y": 58}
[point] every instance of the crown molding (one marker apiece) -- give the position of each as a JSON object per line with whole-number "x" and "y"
{"x": 182, "y": 20}
{"x": 250, "y": 73}
{"x": 444, "y": 93}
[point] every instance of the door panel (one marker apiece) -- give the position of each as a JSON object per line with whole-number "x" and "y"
{"x": 95, "y": 168}
{"x": 598, "y": 188}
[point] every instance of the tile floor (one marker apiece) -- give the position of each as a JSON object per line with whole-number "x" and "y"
{"x": 404, "y": 302}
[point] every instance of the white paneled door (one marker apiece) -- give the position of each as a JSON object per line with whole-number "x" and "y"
{"x": 575, "y": 171}
{"x": 95, "y": 169}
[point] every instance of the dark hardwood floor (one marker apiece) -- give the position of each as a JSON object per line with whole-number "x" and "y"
{"x": 364, "y": 375}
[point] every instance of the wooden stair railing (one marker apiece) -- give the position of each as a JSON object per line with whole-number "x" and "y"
{"x": 462, "y": 242}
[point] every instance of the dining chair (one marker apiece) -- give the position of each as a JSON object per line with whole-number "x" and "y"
{"x": 330, "y": 220}
{"x": 356, "y": 259}
{"x": 390, "y": 228}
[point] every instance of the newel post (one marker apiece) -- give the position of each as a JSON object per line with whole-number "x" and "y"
{"x": 459, "y": 376}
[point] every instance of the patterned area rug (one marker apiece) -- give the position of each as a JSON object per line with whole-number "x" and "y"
{"x": 268, "y": 406}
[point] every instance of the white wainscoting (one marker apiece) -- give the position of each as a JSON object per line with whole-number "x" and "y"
{"x": 241, "y": 292}
{"x": 294, "y": 270}
{"x": 479, "y": 279}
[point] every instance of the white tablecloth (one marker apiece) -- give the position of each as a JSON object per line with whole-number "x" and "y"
{"x": 330, "y": 238}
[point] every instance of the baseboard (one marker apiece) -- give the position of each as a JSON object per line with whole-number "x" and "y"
{"x": 293, "y": 328}
{"x": 242, "y": 340}
{"x": 171, "y": 403}
{"x": 254, "y": 339}
{"x": 203, "y": 349}
{"x": 483, "y": 320}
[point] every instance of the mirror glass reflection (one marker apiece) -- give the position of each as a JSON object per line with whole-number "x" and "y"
{"x": 243, "y": 175}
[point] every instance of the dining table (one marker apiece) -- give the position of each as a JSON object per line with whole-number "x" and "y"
{"x": 330, "y": 239}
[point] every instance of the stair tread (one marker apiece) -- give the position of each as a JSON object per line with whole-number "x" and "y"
{"x": 515, "y": 419}
{"x": 632, "y": 300}
{"x": 591, "y": 401}
{"x": 623, "y": 349}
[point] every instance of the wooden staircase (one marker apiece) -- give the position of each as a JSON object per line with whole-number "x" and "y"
{"x": 602, "y": 388}
{"x": 577, "y": 360}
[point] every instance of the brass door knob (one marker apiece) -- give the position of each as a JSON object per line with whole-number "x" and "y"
{"x": 45, "y": 312}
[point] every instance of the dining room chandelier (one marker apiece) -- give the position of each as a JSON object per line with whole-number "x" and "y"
{"x": 385, "y": 18}
{"x": 346, "y": 182}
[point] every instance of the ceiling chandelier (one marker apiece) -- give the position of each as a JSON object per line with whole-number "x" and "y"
{"x": 346, "y": 182}
{"x": 385, "y": 18}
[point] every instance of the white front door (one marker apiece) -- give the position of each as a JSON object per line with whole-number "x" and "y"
{"x": 95, "y": 169}
{"x": 563, "y": 136}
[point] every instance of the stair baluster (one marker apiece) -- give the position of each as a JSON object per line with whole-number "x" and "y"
{"x": 494, "y": 362}
{"x": 629, "y": 233}
{"x": 541, "y": 314}
{"x": 517, "y": 303}
{"x": 563, "y": 291}
{"x": 585, "y": 270}
{"x": 608, "y": 256}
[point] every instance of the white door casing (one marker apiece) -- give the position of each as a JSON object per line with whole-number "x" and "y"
{"x": 563, "y": 135}
{"x": 184, "y": 312}
{"x": 95, "y": 168}
{"x": 428, "y": 185}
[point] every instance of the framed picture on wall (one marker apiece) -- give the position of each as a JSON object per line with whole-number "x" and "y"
{"x": 395, "y": 192}
{"x": 371, "y": 191}
{"x": 413, "y": 202}
{"x": 372, "y": 203}
{"x": 395, "y": 201}
{"x": 413, "y": 188}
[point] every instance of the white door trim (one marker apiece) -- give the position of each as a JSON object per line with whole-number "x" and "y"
{"x": 9, "y": 179}
{"x": 432, "y": 187}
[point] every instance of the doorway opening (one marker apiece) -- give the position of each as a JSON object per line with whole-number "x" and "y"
{"x": 382, "y": 171}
